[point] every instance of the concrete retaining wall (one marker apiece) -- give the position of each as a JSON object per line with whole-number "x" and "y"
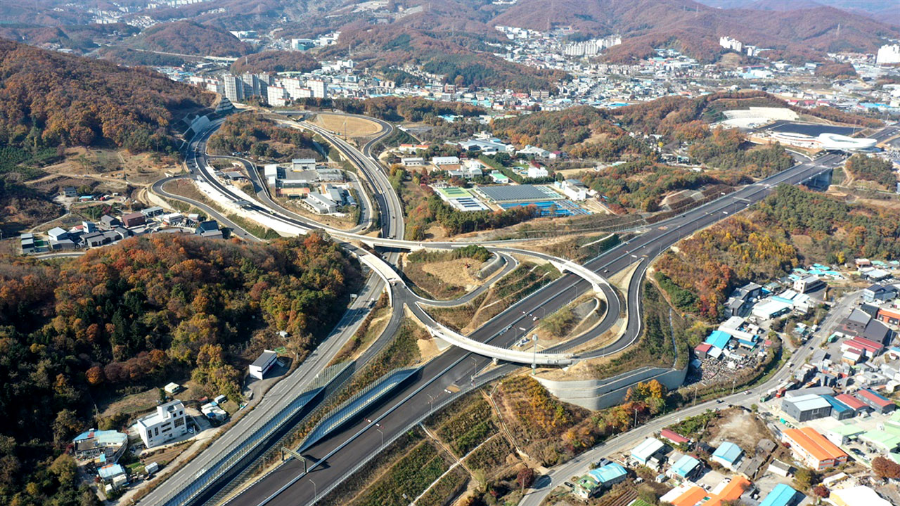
{"x": 492, "y": 266}
{"x": 603, "y": 393}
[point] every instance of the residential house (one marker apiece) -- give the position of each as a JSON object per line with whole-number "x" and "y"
{"x": 108, "y": 222}
{"x": 209, "y": 229}
{"x": 133, "y": 219}
{"x": 167, "y": 423}
{"x": 879, "y": 293}
{"x": 728, "y": 454}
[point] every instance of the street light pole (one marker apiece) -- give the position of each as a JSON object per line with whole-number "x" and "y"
{"x": 382, "y": 437}
{"x": 534, "y": 354}
{"x": 315, "y": 491}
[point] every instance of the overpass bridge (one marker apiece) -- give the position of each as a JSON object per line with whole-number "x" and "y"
{"x": 494, "y": 352}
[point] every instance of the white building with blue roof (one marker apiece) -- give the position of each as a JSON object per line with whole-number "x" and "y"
{"x": 648, "y": 448}
{"x": 108, "y": 445}
{"x": 728, "y": 454}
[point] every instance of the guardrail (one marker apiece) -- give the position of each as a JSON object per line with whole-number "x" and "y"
{"x": 208, "y": 476}
{"x": 351, "y": 407}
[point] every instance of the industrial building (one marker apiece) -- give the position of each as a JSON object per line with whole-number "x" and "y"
{"x": 839, "y": 410}
{"x": 806, "y": 407}
{"x": 261, "y": 365}
{"x": 781, "y": 495}
{"x": 813, "y": 449}
{"x": 878, "y": 403}
{"x": 808, "y": 284}
{"x": 167, "y": 423}
{"x": 853, "y": 403}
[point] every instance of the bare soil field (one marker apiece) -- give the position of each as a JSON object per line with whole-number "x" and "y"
{"x": 352, "y": 127}
{"x": 740, "y": 427}
{"x": 112, "y": 165}
{"x": 444, "y": 280}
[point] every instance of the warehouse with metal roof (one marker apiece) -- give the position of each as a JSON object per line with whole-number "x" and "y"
{"x": 806, "y": 407}
{"x": 781, "y": 495}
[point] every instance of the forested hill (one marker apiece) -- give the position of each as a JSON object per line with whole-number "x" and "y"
{"x": 186, "y": 37}
{"x": 134, "y": 316}
{"x": 48, "y": 99}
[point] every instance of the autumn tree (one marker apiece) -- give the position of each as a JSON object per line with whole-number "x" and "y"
{"x": 525, "y": 477}
{"x": 821, "y": 491}
{"x": 886, "y": 468}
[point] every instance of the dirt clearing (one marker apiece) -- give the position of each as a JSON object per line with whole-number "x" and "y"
{"x": 738, "y": 426}
{"x": 347, "y": 125}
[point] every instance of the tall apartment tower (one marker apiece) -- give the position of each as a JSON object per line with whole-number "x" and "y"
{"x": 234, "y": 88}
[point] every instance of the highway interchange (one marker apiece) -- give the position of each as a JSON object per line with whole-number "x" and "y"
{"x": 336, "y": 457}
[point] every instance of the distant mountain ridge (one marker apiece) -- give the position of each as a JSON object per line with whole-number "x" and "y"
{"x": 881, "y": 10}
{"x": 695, "y": 28}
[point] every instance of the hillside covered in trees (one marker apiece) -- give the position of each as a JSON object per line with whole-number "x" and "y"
{"x": 791, "y": 227}
{"x": 137, "y": 315}
{"x": 400, "y": 109}
{"x": 463, "y": 59}
{"x": 871, "y": 168}
{"x": 189, "y": 38}
{"x": 275, "y": 61}
{"x": 261, "y": 137}
{"x": 50, "y": 99}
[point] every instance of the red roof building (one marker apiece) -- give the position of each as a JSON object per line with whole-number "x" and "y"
{"x": 673, "y": 436}
{"x": 875, "y": 401}
{"x": 870, "y": 346}
{"x": 851, "y": 402}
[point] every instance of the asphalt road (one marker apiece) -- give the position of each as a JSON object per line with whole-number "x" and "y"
{"x": 212, "y": 213}
{"x": 286, "y": 390}
{"x": 343, "y": 450}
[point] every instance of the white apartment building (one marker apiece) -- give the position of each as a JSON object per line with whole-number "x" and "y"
{"x": 733, "y": 44}
{"x": 169, "y": 422}
{"x": 234, "y": 89}
{"x": 292, "y": 86}
{"x": 317, "y": 86}
{"x": 277, "y": 96}
{"x": 888, "y": 54}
